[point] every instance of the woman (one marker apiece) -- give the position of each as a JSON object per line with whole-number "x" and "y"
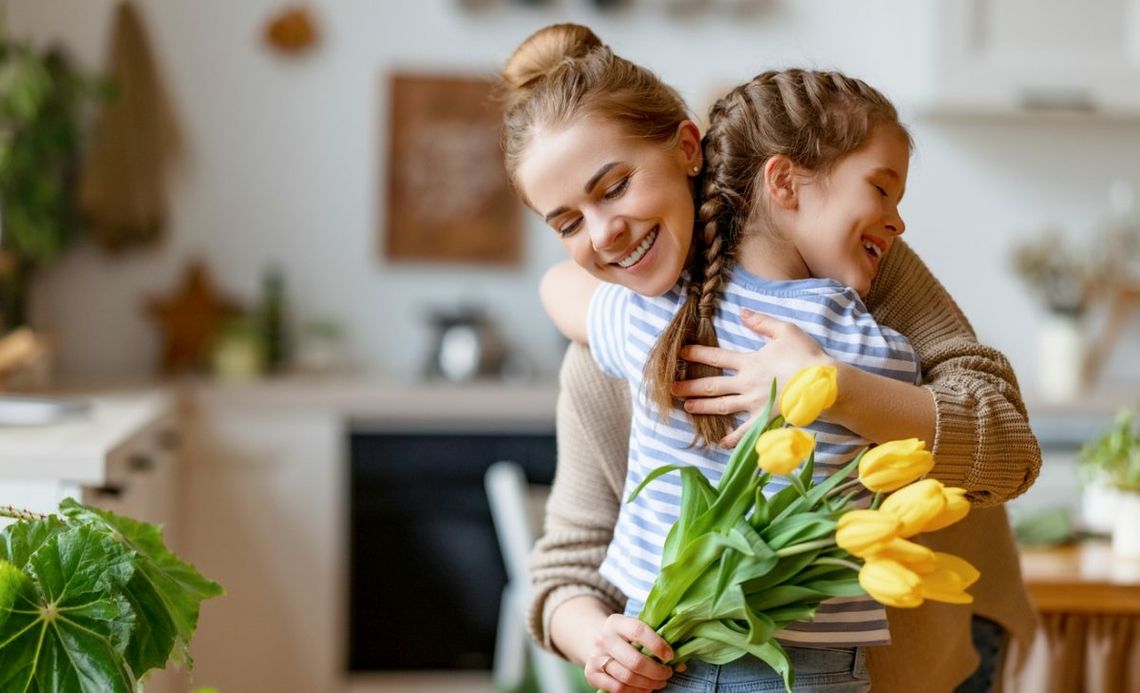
{"x": 968, "y": 409}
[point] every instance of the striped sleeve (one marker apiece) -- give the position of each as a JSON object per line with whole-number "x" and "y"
{"x": 607, "y": 322}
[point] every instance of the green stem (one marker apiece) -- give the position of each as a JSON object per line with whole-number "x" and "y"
{"x": 798, "y": 484}
{"x": 805, "y": 547}
{"x": 877, "y": 501}
{"x": 839, "y": 561}
{"x": 21, "y": 514}
{"x": 843, "y": 487}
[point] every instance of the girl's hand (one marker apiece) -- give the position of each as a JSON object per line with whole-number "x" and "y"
{"x": 788, "y": 350}
{"x": 616, "y": 665}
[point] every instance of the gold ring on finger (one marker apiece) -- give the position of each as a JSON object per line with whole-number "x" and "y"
{"x": 606, "y": 663}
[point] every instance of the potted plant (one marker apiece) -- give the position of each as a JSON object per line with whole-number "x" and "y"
{"x": 1112, "y": 463}
{"x": 92, "y": 601}
{"x": 1064, "y": 279}
{"x": 41, "y": 103}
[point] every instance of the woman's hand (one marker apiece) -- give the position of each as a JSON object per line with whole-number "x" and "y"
{"x": 788, "y": 350}
{"x": 615, "y": 664}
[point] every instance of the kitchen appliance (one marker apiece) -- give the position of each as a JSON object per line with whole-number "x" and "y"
{"x": 466, "y": 345}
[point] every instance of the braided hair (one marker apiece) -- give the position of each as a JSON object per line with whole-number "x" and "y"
{"x": 815, "y": 119}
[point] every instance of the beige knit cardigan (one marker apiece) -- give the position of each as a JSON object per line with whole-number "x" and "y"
{"x": 982, "y": 443}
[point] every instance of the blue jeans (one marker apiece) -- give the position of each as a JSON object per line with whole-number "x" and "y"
{"x": 830, "y": 670}
{"x": 989, "y": 641}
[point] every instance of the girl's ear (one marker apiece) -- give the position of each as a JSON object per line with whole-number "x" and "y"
{"x": 689, "y": 146}
{"x": 780, "y": 181}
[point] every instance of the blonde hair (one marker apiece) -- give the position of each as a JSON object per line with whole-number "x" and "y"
{"x": 815, "y": 119}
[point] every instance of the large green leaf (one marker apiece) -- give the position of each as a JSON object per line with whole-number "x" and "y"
{"x": 165, "y": 592}
{"x": 21, "y": 539}
{"x": 66, "y": 627}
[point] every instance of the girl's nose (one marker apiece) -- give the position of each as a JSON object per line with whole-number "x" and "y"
{"x": 896, "y": 225}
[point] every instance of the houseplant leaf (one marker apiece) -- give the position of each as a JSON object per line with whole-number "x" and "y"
{"x": 165, "y": 592}
{"x": 65, "y": 627}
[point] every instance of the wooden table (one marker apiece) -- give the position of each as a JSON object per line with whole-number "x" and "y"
{"x": 1089, "y": 640}
{"x": 1082, "y": 578}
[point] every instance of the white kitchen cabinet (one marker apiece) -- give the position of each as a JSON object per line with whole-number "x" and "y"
{"x": 1020, "y": 57}
{"x": 121, "y": 455}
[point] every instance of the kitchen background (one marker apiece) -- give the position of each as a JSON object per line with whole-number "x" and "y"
{"x": 285, "y": 157}
{"x": 1026, "y": 117}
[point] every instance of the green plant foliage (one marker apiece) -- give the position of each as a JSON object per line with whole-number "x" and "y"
{"x": 1115, "y": 455}
{"x": 90, "y": 601}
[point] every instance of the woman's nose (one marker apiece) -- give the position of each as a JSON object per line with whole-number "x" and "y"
{"x": 605, "y": 231}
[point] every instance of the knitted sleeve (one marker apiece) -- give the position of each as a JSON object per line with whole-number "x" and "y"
{"x": 593, "y": 443}
{"x": 982, "y": 440}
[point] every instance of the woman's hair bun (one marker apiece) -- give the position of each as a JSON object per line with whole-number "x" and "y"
{"x": 545, "y": 50}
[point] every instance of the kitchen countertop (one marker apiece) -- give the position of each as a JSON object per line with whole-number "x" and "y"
{"x": 77, "y": 449}
{"x": 372, "y": 400}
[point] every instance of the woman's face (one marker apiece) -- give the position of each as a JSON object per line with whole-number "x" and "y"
{"x": 622, "y": 206}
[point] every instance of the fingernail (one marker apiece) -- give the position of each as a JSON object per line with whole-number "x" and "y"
{"x": 745, "y": 313}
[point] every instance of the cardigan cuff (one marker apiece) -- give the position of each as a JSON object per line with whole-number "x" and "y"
{"x": 955, "y": 436}
{"x": 539, "y": 619}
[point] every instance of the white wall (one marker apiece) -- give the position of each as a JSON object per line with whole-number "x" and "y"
{"x": 287, "y": 162}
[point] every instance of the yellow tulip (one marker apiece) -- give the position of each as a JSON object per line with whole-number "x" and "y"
{"x": 957, "y": 507}
{"x": 781, "y": 450}
{"x": 949, "y": 580}
{"x": 892, "y": 465}
{"x": 808, "y": 393}
{"x": 917, "y": 557}
{"x": 865, "y": 532}
{"x": 891, "y": 583}
{"x": 916, "y": 505}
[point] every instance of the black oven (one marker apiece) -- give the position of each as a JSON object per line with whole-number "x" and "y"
{"x": 425, "y": 574}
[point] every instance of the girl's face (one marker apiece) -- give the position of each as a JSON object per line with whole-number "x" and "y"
{"x": 622, "y": 206}
{"x": 848, "y": 218}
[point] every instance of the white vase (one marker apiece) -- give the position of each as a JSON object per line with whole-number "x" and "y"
{"x": 1098, "y": 506}
{"x": 1126, "y": 530}
{"x": 1061, "y": 357}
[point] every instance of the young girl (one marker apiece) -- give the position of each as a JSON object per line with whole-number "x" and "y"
{"x": 818, "y": 212}
{"x": 575, "y": 102}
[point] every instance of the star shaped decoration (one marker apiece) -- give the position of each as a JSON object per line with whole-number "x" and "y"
{"x": 189, "y": 320}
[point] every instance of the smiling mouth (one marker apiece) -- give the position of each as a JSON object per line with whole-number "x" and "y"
{"x": 639, "y": 252}
{"x": 873, "y": 248}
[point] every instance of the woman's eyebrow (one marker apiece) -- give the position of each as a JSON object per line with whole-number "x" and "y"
{"x": 605, "y": 168}
{"x": 598, "y": 176}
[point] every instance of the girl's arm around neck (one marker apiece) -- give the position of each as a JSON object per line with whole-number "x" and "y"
{"x": 566, "y": 289}
{"x": 982, "y": 441}
{"x": 881, "y": 409}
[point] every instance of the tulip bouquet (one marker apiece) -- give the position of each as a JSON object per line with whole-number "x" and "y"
{"x": 739, "y": 565}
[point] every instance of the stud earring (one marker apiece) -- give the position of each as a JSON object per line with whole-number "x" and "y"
{"x": 696, "y": 169}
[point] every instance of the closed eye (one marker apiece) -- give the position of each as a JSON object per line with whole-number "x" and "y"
{"x": 569, "y": 228}
{"x": 617, "y": 189}
{"x": 882, "y": 190}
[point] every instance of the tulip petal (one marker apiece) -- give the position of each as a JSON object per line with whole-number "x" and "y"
{"x": 916, "y": 505}
{"x": 894, "y": 464}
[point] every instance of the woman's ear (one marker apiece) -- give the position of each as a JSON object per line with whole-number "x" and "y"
{"x": 780, "y": 181}
{"x": 689, "y": 146}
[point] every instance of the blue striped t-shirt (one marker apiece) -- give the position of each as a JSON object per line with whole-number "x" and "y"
{"x": 624, "y": 326}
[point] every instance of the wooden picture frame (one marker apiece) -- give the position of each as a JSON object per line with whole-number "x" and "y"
{"x": 448, "y": 197}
